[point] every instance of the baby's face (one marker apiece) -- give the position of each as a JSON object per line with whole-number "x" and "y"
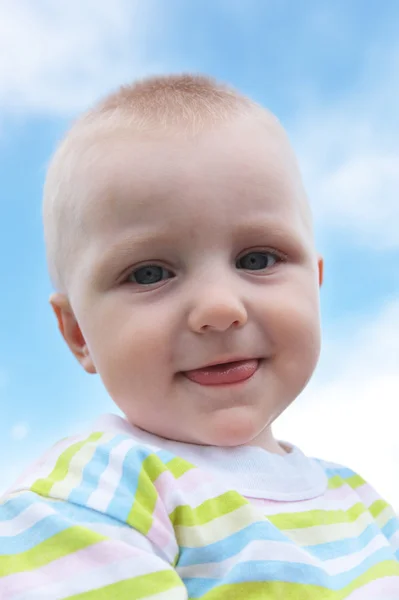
{"x": 198, "y": 251}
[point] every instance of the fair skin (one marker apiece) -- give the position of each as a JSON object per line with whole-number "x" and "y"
{"x": 221, "y": 225}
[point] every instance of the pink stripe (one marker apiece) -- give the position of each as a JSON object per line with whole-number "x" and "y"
{"x": 165, "y": 483}
{"x": 195, "y": 478}
{"x": 387, "y": 588}
{"x": 367, "y": 494}
{"x": 188, "y": 482}
{"x": 102, "y": 553}
{"x": 161, "y": 531}
{"x": 340, "y": 494}
{"x": 38, "y": 464}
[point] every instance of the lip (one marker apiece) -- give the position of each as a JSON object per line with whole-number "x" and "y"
{"x": 227, "y": 373}
{"x": 226, "y": 361}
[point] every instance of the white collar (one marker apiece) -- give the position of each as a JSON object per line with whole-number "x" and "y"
{"x": 250, "y": 470}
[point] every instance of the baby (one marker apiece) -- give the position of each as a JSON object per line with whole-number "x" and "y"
{"x": 180, "y": 246}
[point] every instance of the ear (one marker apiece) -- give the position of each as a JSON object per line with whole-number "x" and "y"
{"x": 71, "y": 331}
{"x": 320, "y": 264}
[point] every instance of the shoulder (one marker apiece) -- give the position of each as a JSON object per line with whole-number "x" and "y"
{"x": 101, "y": 470}
{"x": 338, "y": 473}
{"x": 340, "y": 476}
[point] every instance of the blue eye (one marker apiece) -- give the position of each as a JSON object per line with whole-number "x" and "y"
{"x": 256, "y": 261}
{"x": 149, "y": 274}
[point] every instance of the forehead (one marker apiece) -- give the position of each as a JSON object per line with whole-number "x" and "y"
{"x": 244, "y": 169}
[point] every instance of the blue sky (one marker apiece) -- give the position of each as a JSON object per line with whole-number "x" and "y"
{"x": 329, "y": 71}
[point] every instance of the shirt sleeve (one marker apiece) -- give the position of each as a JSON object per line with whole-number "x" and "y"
{"x": 382, "y": 512}
{"x": 57, "y": 542}
{"x": 51, "y": 550}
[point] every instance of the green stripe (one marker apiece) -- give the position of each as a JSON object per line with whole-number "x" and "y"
{"x": 135, "y": 588}
{"x": 177, "y": 466}
{"x": 185, "y": 516}
{"x": 297, "y": 591}
{"x": 355, "y": 481}
{"x": 378, "y": 507}
{"x": 153, "y": 466}
{"x": 60, "y": 471}
{"x": 314, "y": 518}
{"x": 387, "y": 568}
{"x": 66, "y": 542}
{"x": 335, "y": 482}
{"x": 257, "y": 590}
{"x": 141, "y": 514}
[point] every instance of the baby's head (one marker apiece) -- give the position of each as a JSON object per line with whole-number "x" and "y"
{"x": 179, "y": 236}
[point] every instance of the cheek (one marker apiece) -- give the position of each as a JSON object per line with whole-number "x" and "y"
{"x": 130, "y": 348}
{"x": 296, "y": 328}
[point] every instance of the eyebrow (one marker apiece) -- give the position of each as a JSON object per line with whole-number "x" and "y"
{"x": 147, "y": 240}
{"x": 278, "y": 232}
{"x": 125, "y": 246}
{"x": 276, "y": 227}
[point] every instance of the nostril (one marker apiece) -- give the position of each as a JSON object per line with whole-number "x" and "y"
{"x": 235, "y": 323}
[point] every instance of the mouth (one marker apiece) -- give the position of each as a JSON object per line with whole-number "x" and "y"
{"x": 226, "y": 373}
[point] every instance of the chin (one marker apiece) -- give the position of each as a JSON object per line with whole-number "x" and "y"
{"x": 237, "y": 431}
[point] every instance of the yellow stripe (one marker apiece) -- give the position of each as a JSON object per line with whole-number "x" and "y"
{"x": 355, "y": 481}
{"x": 297, "y": 591}
{"x": 178, "y": 466}
{"x": 141, "y": 514}
{"x": 43, "y": 486}
{"x": 134, "y": 589}
{"x": 216, "y": 530}
{"x": 378, "y": 507}
{"x": 315, "y": 518}
{"x": 59, "y": 545}
{"x": 335, "y": 482}
{"x": 330, "y": 533}
{"x": 185, "y": 516}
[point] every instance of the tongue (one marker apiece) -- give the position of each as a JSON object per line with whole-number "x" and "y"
{"x": 233, "y": 372}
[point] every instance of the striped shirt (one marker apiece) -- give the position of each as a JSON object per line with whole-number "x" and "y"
{"x": 120, "y": 514}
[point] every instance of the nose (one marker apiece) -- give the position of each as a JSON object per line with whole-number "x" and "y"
{"x": 216, "y": 312}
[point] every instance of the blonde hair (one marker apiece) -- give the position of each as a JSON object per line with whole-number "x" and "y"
{"x": 178, "y": 103}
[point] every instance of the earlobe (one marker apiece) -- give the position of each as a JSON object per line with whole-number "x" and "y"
{"x": 320, "y": 263}
{"x": 71, "y": 332}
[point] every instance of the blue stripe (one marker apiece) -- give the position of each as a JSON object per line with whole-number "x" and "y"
{"x": 165, "y": 456}
{"x": 93, "y": 470}
{"x": 80, "y": 515}
{"x": 267, "y": 571}
{"x": 122, "y": 501}
{"x": 38, "y": 533}
{"x": 68, "y": 516}
{"x": 17, "y": 504}
{"x": 65, "y": 515}
{"x": 391, "y": 527}
{"x": 344, "y": 547}
{"x": 231, "y": 545}
{"x": 342, "y": 472}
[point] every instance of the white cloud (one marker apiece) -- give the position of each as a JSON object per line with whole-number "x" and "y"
{"x": 349, "y": 154}
{"x": 350, "y": 413}
{"x": 365, "y": 190}
{"x": 352, "y": 176}
{"x": 19, "y": 432}
{"x": 59, "y": 57}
